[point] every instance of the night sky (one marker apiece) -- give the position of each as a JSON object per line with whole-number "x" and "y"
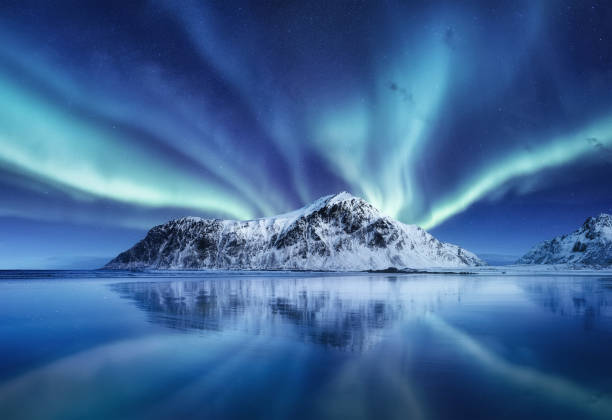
{"x": 488, "y": 123}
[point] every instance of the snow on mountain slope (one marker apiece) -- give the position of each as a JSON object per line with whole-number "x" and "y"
{"x": 590, "y": 245}
{"x": 336, "y": 232}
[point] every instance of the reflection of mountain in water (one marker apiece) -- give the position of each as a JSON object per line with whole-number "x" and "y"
{"x": 585, "y": 297}
{"x": 338, "y": 312}
{"x": 350, "y": 312}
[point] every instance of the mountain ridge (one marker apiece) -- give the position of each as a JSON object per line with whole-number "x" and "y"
{"x": 589, "y": 245}
{"x": 337, "y": 232}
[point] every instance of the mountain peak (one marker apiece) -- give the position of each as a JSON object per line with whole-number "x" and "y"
{"x": 342, "y": 201}
{"x": 602, "y": 221}
{"x": 345, "y": 198}
{"x": 341, "y": 196}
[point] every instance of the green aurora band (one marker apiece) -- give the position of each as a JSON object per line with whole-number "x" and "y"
{"x": 59, "y": 148}
{"x": 559, "y": 151}
{"x": 54, "y": 146}
{"x": 371, "y": 137}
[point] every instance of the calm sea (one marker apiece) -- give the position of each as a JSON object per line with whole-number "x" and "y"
{"x": 100, "y": 345}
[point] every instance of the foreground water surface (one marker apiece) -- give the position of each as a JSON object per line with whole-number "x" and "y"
{"x": 99, "y": 345}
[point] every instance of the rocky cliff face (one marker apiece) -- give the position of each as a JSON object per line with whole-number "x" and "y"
{"x": 590, "y": 245}
{"x": 337, "y": 232}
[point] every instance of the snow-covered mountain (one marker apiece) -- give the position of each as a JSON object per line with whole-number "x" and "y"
{"x": 336, "y": 232}
{"x": 590, "y": 245}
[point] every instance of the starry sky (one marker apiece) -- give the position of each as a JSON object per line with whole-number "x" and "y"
{"x": 489, "y": 123}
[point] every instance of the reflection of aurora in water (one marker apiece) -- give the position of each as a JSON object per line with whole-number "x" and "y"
{"x": 275, "y": 345}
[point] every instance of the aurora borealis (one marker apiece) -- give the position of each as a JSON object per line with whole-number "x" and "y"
{"x": 488, "y": 123}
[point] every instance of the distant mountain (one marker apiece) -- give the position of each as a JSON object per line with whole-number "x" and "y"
{"x": 590, "y": 245}
{"x": 498, "y": 259}
{"x": 338, "y": 232}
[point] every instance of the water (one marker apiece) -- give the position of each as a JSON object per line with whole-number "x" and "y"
{"x": 77, "y": 345}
